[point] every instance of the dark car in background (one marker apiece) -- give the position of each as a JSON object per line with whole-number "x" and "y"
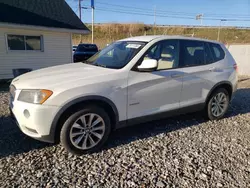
{"x": 74, "y": 48}
{"x": 84, "y": 51}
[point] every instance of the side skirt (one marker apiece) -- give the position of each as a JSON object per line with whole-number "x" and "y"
{"x": 162, "y": 115}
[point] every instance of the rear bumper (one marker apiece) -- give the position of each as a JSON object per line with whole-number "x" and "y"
{"x": 235, "y": 83}
{"x": 235, "y": 87}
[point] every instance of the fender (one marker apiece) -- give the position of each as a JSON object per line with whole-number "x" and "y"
{"x": 217, "y": 85}
{"x": 79, "y": 100}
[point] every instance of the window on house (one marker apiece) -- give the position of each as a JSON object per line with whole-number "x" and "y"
{"x": 22, "y": 42}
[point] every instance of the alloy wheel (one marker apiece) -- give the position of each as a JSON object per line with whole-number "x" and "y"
{"x": 219, "y": 104}
{"x": 87, "y": 131}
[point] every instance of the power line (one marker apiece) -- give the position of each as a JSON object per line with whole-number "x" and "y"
{"x": 166, "y": 16}
{"x": 144, "y": 14}
{"x": 141, "y": 9}
{"x": 123, "y": 9}
{"x": 177, "y": 13}
{"x": 120, "y": 10}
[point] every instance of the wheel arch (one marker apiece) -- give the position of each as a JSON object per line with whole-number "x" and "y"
{"x": 69, "y": 108}
{"x": 224, "y": 84}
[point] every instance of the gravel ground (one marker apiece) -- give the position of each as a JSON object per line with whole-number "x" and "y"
{"x": 184, "y": 151}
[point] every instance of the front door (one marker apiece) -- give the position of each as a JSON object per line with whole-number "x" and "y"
{"x": 158, "y": 91}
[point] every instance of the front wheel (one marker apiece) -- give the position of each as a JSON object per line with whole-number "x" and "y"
{"x": 218, "y": 104}
{"x": 86, "y": 130}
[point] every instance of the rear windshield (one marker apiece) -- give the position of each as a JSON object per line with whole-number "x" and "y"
{"x": 87, "y": 48}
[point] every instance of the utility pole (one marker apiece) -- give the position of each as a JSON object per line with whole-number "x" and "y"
{"x": 80, "y": 15}
{"x": 218, "y": 37}
{"x": 154, "y": 19}
{"x": 93, "y": 9}
{"x": 93, "y": 24}
{"x": 80, "y": 9}
{"x": 199, "y": 17}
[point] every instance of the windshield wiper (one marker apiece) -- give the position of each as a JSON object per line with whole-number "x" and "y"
{"x": 95, "y": 64}
{"x": 99, "y": 65}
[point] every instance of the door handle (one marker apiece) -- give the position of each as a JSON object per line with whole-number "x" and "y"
{"x": 211, "y": 69}
{"x": 176, "y": 75}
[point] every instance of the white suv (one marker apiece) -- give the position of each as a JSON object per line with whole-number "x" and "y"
{"x": 130, "y": 81}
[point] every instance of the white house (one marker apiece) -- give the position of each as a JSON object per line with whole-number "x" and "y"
{"x": 36, "y": 34}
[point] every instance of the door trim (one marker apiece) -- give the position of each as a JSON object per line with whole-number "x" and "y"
{"x": 161, "y": 115}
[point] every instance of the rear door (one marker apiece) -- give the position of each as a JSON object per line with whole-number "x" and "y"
{"x": 196, "y": 64}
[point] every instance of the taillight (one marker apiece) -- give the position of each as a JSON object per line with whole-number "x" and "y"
{"x": 236, "y": 67}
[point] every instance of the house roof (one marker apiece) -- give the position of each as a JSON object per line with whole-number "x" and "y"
{"x": 43, "y": 13}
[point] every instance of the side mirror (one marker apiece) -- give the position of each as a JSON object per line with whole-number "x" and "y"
{"x": 148, "y": 65}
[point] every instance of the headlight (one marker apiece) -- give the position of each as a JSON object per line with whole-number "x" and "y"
{"x": 12, "y": 91}
{"x": 36, "y": 96}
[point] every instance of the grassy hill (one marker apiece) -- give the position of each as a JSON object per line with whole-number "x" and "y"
{"x": 107, "y": 33}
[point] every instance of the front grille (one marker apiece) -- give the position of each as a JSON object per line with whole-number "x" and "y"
{"x": 12, "y": 91}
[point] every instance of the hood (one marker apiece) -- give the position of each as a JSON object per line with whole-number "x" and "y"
{"x": 56, "y": 76}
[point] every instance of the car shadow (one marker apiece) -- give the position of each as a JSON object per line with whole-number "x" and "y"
{"x": 13, "y": 141}
{"x": 239, "y": 105}
{"x": 4, "y": 85}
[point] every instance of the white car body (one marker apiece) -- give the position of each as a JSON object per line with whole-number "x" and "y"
{"x": 131, "y": 95}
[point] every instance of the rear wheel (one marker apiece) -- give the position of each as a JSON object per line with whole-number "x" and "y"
{"x": 86, "y": 130}
{"x": 218, "y": 104}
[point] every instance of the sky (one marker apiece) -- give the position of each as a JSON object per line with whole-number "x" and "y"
{"x": 168, "y": 12}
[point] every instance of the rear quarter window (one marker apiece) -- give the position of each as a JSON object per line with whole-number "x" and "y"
{"x": 217, "y": 52}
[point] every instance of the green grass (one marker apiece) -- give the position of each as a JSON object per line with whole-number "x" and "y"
{"x": 107, "y": 33}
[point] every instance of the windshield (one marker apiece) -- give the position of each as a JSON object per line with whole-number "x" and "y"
{"x": 116, "y": 55}
{"x": 87, "y": 48}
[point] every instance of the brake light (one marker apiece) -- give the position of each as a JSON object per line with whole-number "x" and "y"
{"x": 236, "y": 67}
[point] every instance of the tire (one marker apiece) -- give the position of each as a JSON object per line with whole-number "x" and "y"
{"x": 210, "y": 112}
{"x": 69, "y": 142}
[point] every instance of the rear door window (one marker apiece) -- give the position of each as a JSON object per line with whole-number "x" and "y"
{"x": 208, "y": 54}
{"x": 217, "y": 52}
{"x": 192, "y": 53}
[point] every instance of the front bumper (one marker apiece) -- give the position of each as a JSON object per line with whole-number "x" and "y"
{"x": 34, "y": 120}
